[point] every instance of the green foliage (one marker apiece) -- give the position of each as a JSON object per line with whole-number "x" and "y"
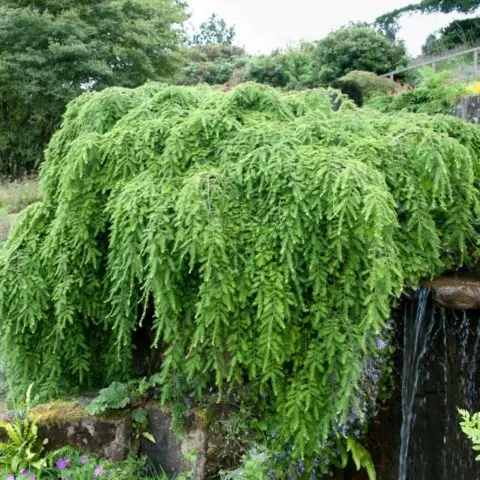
{"x": 81, "y": 466}
{"x": 293, "y": 68}
{"x": 470, "y": 426}
{"x": 253, "y": 237}
{"x": 116, "y": 396}
{"x": 457, "y": 33}
{"x": 350, "y": 48}
{"x": 212, "y": 64}
{"x": 23, "y": 448}
{"x": 356, "y": 47}
{"x": 361, "y": 457}
{"x": 213, "y": 32}
{"x": 436, "y": 94}
{"x": 254, "y": 467}
{"x": 54, "y": 50}
{"x": 371, "y": 84}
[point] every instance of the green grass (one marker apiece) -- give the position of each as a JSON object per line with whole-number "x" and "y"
{"x": 14, "y": 197}
{"x": 18, "y": 194}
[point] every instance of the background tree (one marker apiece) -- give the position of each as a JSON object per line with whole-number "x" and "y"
{"x": 213, "y": 31}
{"x": 356, "y": 47}
{"x": 211, "y": 56}
{"x": 459, "y": 32}
{"x": 53, "y": 50}
{"x": 388, "y": 23}
{"x": 212, "y": 63}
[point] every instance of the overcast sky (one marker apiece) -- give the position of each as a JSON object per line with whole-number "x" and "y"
{"x": 264, "y": 25}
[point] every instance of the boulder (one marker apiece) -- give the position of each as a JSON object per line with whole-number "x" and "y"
{"x": 461, "y": 292}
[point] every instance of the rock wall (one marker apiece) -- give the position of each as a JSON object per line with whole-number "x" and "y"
{"x": 469, "y": 109}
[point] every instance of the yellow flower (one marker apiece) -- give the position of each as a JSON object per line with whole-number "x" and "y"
{"x": 474, "y": 88}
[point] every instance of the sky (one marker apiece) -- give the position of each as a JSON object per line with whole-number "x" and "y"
{"x": 264, "y": 25}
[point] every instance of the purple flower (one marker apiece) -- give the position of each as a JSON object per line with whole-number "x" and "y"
{"x": 381, "y": 344}
{"x": 83, "y": 459}
{"x": 10, "y": 476}
{"x": 98, "y": 471}
{"x": 62, "y": 463}
{"x": 32, "y": 477}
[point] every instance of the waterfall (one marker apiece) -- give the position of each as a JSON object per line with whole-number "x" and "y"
{"x": 441, "y": 350}
{"x": 416, "y": 339}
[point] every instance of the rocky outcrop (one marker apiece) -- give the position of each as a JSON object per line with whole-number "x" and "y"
{"x": 461, "y": 292}
{"x": 469, "y": 109}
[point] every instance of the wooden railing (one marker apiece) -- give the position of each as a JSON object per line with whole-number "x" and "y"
{"x": 433, "y": 60}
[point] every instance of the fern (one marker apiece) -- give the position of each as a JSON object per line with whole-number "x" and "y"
{"x": 261, "y": 238}
{"x": 470, "y": 426}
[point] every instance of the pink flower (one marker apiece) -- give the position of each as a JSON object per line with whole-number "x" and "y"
{"x": 98, "y": 471}
{"x": 10, "y": 476}
{"x": 83, "y": 459}
{"x": 62, "y": 463}
{"x": 32, "y": 476}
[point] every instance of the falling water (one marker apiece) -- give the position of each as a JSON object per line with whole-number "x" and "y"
{"x": 416, "y": 338}
{"x": 441, "y": 350}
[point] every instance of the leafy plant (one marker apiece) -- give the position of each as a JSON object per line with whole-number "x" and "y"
{"x": 361, "y": 457}
{"x": 114, "y": 397}
{"x": 254, "y": 467}
{"x": 238, "y": 238}
{"x": 119, "y": 396}
{"x": 470, "y": 426}
{"x": 23, "y": 449}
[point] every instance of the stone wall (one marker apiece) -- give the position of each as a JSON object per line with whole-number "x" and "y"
{"x": 66, "y": 423}
{"x": 469, "y": 109}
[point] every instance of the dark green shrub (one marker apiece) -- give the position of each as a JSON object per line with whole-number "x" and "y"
{"x": 350, "y": 88}
{"x": 371, "y": 84}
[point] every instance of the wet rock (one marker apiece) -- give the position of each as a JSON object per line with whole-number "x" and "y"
{"x": 469, "y": 109}
{"x": 461, "y": 292}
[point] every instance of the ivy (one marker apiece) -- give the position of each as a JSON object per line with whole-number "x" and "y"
{"x": 259, "y": 238}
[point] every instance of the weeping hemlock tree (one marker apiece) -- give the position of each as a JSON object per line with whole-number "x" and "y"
{"x": 262, "y": 237}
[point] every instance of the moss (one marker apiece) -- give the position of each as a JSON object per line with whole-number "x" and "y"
{"x": 58, "y": 411}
